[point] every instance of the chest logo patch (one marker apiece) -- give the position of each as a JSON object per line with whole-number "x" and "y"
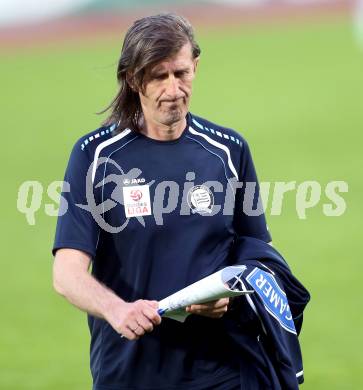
{"x": 200, "y": 200}
{"x": 137, "y": 201}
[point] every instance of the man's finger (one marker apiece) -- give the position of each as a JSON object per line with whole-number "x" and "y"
{"x": 151, "y": 314}
{"x": 208, "y": 313}
{"x": 215, "y": 305}
{"x": 145, "y": 323}
{"x": 153, "y": 304}
{"x": 221, "y": 302}
{"x": 139, "y": 331}
{"x": 207, "y": 310}
{"x": 129, "y": 334}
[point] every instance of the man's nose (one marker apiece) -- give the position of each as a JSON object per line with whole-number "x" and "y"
{"x": 172, "y": 87}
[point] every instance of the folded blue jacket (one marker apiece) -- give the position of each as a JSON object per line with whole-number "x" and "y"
{"x": 265, "y": 325}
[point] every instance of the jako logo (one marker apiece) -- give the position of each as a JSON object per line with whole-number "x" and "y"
{"x": 136, "y": 195}
{"x": 137, "y": 181}
{"x": 133, "y": 181}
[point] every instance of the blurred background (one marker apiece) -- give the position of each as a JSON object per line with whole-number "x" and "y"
{"x": 287, "y": 74}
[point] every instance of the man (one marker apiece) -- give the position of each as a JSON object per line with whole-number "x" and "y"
{"x": 168, "y": 227}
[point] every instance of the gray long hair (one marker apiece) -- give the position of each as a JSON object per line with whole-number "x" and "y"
{"x": 148, "y": 41}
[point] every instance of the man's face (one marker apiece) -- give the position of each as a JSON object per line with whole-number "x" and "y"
{"x": 168, "y": 88}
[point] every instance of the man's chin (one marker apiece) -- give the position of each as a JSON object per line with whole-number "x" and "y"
{"x": 172, "y": 117}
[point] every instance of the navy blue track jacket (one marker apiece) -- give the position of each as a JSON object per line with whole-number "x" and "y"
{"x": 266, "y": 324}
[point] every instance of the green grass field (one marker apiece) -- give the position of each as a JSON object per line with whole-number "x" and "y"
{"x": 295, "y": 93}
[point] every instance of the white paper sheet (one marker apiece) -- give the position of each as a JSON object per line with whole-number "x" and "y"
{"x": 222, "y": 284}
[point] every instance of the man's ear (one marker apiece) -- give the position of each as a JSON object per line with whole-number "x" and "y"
{"x": 130, "y": 82}
{"x": 196, "y": 62}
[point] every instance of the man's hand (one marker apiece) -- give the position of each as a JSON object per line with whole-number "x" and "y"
{"x": 213, "y": 309}
{"x": 72, "y": 280}
{"x": 133, "y": 320}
